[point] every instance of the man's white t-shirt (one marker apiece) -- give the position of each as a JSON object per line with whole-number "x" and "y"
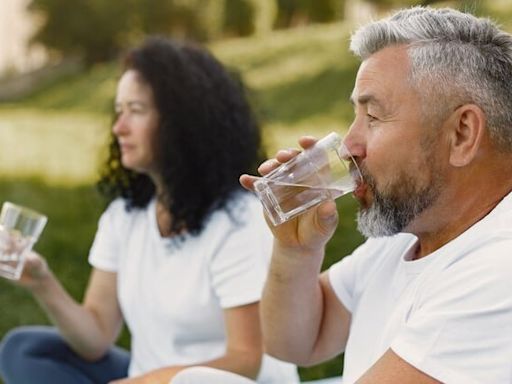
{"x": 448, "y": 314}
{"x": 172, "y": 295}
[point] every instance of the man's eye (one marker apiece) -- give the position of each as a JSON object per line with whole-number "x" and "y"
{"x": 371, "y": 117}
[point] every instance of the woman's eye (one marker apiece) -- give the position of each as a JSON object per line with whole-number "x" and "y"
{"x": 137, "y": 110}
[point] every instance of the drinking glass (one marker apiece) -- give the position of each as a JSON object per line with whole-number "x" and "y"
{"x": 20, "y": 228}
{"x": 324, "y": 171}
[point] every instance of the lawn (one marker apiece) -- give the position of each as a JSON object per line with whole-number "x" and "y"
{"x": 52, "y": 145}
{"x": 72, "y": 216}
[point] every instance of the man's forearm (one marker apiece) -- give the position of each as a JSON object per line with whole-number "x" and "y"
{"x": 292, "y": 304}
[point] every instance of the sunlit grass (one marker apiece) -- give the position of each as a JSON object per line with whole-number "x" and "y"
{"x": 62, "y": 148}
{"x": 53, "y": 142}
{"x": 299, "y": 82}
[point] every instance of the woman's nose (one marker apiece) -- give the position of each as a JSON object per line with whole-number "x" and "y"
{"x": 120, "y": 125}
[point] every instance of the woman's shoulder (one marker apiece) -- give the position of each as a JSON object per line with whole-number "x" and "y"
{"x": 118, "y": 212}
{"x": 243, "y": 210}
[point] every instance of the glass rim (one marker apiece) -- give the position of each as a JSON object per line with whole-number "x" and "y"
{"x": 353, "y": 167}
{"x": 31, "y": 213}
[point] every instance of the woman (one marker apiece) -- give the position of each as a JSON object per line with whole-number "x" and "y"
{"x": 180, "y": 254}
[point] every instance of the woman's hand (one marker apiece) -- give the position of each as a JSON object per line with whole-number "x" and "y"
{"x": 309, "y": 231}
{"x": 35, "y": 271}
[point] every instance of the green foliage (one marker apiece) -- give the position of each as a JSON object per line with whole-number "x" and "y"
{"x": 326, "y": 10}
{"x": 97, "y": 30}
{"x": 264, "y": 15}
{"x": 238, "y": 18}
{"x": 302, "y": 79}
{"x": 88, "y": 28}
{"x": 293, "y": 12}
{"x": 460, "y": 4}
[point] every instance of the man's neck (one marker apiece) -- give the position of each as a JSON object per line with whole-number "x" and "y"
{"x": 455, "y": 215}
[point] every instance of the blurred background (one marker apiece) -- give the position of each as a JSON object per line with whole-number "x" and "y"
{"x": 58, "y": 72}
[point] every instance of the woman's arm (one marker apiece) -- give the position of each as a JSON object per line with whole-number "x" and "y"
{"x": 244, "y": 349}
{"x": 89, "y": 328}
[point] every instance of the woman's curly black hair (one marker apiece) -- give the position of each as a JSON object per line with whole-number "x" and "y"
{"x": 207, "y": 135}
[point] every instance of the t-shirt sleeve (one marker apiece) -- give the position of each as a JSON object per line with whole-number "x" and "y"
{"x": 461, "y": 329}
{"x": 239, "y": 267}
{"x": 341, "y": 277}
{"x": 104, "y": 253}
{"x": 344, "y": 275}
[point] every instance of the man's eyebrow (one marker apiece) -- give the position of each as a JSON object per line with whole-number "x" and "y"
{"x": 364, "y": 99}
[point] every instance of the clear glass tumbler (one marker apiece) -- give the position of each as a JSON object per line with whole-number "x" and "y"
{"x": 20, "y": 228}
{"x": 325, "y": 171}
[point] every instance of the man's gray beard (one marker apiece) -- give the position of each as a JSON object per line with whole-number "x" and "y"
{"x": 390, "y": 213}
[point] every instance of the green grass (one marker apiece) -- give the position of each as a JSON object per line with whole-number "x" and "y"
{"x": 299, "y": 82}
{"x": 61, "y": 147}
{"x": 72, "y": 218}
{"x": 52, "y": 144}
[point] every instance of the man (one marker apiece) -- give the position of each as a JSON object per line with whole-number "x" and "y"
{"x": 428, "y": 298}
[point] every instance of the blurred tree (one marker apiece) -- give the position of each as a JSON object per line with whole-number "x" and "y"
{"x": 293, "y": 12}
{"x": 212, "y": 17}
{"x": 246, "y": 17}
{"x": 264, "y": 15}
{"x": 88, "y": 28}
{"x": 387, "y": 4}
{"x": 326, "y": 10}
{"x": 238, "y": 17}
{"x": 97, "y": 29}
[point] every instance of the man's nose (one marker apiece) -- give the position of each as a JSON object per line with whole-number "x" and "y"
{"x": 355, "y": 141}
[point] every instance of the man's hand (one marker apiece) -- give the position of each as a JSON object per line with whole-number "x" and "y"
{"x": 309, "y": 231}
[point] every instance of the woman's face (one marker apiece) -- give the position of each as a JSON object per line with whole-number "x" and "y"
{"x": 136, "y": 122}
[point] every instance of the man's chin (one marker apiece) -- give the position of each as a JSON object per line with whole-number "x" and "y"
{"x": 370, "y": 224}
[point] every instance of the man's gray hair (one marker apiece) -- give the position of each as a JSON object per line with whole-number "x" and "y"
{"x": 456, "y": 58}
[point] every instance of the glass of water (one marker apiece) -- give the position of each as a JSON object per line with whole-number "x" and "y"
{"x": 20, "y": 228}
{"x": 325, "y": 171}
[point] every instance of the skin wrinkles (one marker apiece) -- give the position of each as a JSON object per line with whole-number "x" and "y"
{"x": 387, "y": 117}
{"x": 416, "y": 171}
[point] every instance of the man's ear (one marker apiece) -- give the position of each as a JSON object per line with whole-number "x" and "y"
{"x": 468, "y": 125}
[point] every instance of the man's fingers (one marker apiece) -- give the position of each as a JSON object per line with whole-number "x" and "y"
{"x": 268, "y": 166}
{"x": 282, "y": 156}
{"x": 307, "y": 141}
{"x": 247, "y": 181}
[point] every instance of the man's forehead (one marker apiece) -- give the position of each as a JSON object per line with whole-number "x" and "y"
{"x": 387, "y": 69}
{"x": 395, "y": 57}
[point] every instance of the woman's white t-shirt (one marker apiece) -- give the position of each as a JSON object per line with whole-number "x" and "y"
{"x": 448, "y": 314}
{"x": 172, "y": 295}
